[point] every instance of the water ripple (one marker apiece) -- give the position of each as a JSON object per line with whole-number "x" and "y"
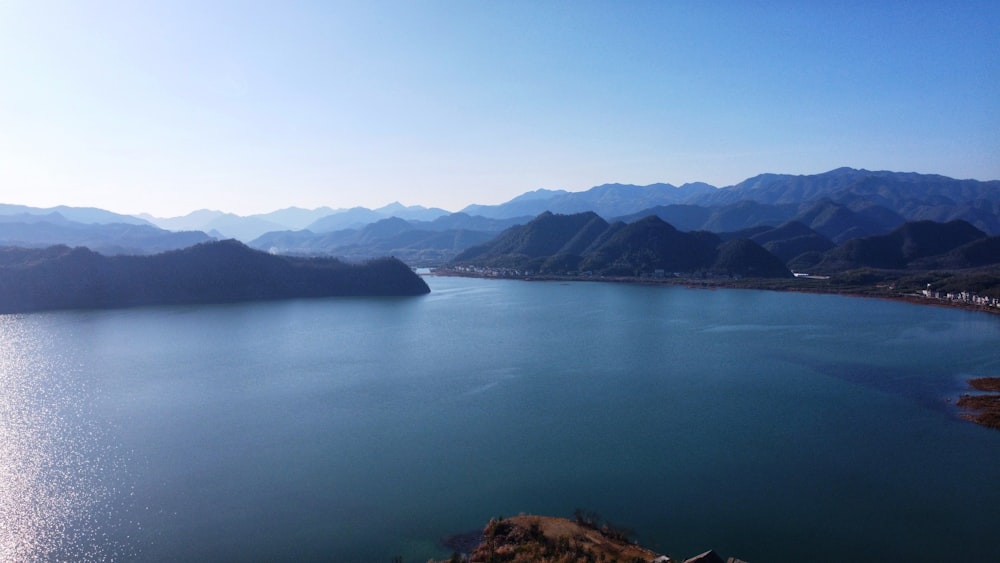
{"x": 57, "y": 477}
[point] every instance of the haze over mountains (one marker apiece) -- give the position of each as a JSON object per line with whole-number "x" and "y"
{"x": 801, "y": 214}
{"x": 322, "y": 219}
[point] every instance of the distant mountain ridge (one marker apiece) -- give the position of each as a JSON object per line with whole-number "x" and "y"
{"x": 32, "y": 230}
{"x": 224, "y": 225}
{"x": 839, "y": 205}
{"x": 85, "y": 215}
{"x": 835, "y": 221}
{"x": 607, "y": 200}
{"x": 416, "y": 242}
{"x": 889, "y": 189}
{"x": 319, "y": 220}
{"x": 892, "y": 197}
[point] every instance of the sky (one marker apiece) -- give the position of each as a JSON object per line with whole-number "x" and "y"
{"x": 170, "y": 106}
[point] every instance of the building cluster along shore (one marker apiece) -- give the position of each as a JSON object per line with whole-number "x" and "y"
{"x": 963, "y": 298}
{"x": 813, "y": 284}
{"x": 513, "y": 273}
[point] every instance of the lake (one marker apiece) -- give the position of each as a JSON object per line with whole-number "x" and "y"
{"x": 769, "y": 426}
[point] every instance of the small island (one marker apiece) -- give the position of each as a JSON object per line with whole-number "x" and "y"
{"x": 228, "y": 271}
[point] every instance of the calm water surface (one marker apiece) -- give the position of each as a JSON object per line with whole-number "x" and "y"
{"x": 771, "y": 426}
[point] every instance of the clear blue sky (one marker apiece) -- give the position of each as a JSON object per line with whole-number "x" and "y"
{"x": 167, "y": 107}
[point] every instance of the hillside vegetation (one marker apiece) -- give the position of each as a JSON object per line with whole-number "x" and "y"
{"x": 217, "y": 272}
{"x": 921, "y": 258}
{"x": 571, "y": 244}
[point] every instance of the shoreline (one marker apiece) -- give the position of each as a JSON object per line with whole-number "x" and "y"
{"x": 800, "y": 285}
{"x": 982, "y": 404}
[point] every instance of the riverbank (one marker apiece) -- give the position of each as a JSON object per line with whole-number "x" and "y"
{"x": 984, "y": 407}
{"x": 819, "y": 285}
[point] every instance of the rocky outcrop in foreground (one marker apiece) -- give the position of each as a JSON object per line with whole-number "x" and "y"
{"x": 545, "y": 539}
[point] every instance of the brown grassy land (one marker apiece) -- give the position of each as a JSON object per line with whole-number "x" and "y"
{"x": 545, "y": 539}
{"x": 982, "y": 409}
{"x": 986, "y": 384}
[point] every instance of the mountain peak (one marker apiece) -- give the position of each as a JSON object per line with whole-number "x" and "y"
{"x": 540, "y": 193}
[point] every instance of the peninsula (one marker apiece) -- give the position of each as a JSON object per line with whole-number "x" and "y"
{"x": 61, "y": 277}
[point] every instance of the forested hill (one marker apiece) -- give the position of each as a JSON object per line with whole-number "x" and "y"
{"x": 583, "y": 242}
{"x": 60, "y": 277}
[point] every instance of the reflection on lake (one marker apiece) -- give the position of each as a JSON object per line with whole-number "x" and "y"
{"x": 769, "y": 426}
{"x": 55, "y": 500}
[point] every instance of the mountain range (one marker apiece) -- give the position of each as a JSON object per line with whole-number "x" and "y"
{"x": 585, "y": 244}
{"x": 835, "y": 206}
{"x": 119, "y": 235}
{"x": 320, "y": 220}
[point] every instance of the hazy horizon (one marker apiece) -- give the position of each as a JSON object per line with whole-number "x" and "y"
{"x": 410, "y": 205}
{"x": 166, "y": 108}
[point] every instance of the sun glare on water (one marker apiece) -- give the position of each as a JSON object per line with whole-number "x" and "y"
{"x": 54, "y": 479}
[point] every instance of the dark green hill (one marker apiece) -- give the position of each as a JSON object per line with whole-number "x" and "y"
{"x": 549, "y": 245}
{"x": 976, "y": 254}
{"x": 840, "y": 223}
{"x": 746, "y": 258}
{"x": 745, "y": 214}
{"x": 215, "y": 272}
{"x": 683, "y": 217}
{"x": 791, "y": 240}
{"x": 609, "y": 233}
{"x": 745, "y": 233}
{"x": 546, "y": 235}
{"x": 837, "y": 221}
{"x": 789, "y": 230}
{"x": 651, "y": 244}
{"x": 731, "y": 217}
{"x": 901, "y": 248}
